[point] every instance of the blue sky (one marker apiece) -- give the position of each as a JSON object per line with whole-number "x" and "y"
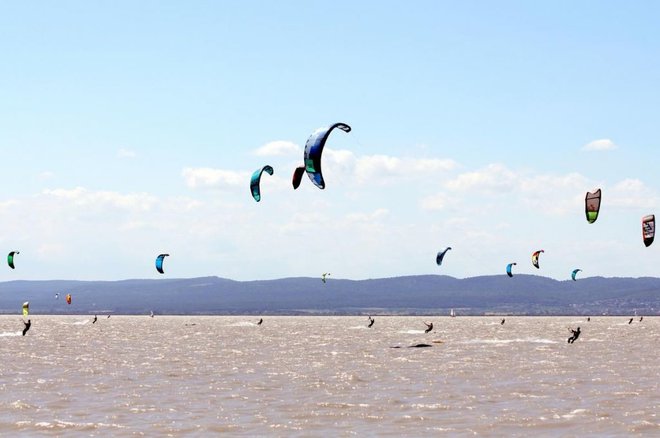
{"x": 131, "y": 128}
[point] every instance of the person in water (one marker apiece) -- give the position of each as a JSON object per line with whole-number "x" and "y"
{"x": 630, "y": 322}
{"x": 429, "y": 327}
{"x": 371, "y": 321}
{"x": 260, "y": 321}
{"x": 502, "y": 323}
{"x": 640, "y": 318}
{"x": 94, "y": 320}
{"x": 27, "y": 326}
{"x": 588, "y": 318}
{"x": 576, "y": 334}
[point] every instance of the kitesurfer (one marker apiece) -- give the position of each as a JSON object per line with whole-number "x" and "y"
{"x": 640, "y": 318}
{"x": 371, "y": 321}
{"x": 630, "y": 322}
{"x": 260, "y": 321}
{"x": 27, "y": 326}
{"x": 502, "y": 323}
{"x": 429, "y": 327}
{"x": 588, "y": 318}
{"x": 108, "y": 316}
{"x": 576, "y": 334}
{"x": 94, "y": 320}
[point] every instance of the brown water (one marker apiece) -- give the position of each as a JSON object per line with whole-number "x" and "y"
{"x": 329, "y": 376}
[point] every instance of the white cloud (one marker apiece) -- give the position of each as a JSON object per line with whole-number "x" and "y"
{"x": 206, "y": 177}
{"x": 126, "y": 153}
{"x": 279, "y": 147}
{"x": 383, "y": 168}
{"x": 632, "y": 193}
{"x": 556, "y": 194}
{"x": 375, "y": 170}
{"x": 83, "y": 197}
{"x": 604, "y": 144}
{"x": 493, "y": 178}
{"x": 438, "y": 201}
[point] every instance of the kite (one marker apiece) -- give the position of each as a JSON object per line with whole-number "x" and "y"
{"x": 592, "y": 206}
{"x": 297, "y": 176}
{"x": 648, "y": 229}
{"x": 313, "y": 151}
{"x": 508, "y": 269}
{"x": 255, "y": 181}
{"x": 26, "y": 309}
{"x": 10, "y": 258}
{"x": 323, "y": 277}
{"x": 535, "y": 258}
{"x": 441, "y": 255}
{"x": 574, "y": 273}
{"x": 159, "y": 262}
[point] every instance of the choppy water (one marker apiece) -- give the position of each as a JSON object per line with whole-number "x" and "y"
{"x": 329, "y": 376}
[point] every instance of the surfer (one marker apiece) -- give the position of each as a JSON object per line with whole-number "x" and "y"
{"x": 502, "y": 322}
{"x": 94, "y": 321}
{"x": 429, "y": 327}
{"x": 588, "y": 318}
{"x": 27, "y": 326}
{"x": 260, "y": 321}
{"x": 640, "y": 318}
{"x": 371, "y": 321}
{"x": 576, "y": 334}
{"x": 630, "y": 322}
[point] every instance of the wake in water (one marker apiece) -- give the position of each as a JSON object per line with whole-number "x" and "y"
{"x": 509, "y": 341}
{"x": 243, "y": 324}
{"x": 5, "y": 334}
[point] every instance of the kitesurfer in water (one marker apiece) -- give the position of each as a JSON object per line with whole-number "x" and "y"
{"x": 576, "y": 334}
{"x": 371, "y": 321}
{"x": 260, "y": 321}
{"x": 94, "y": 321}
{"x": 429, "y": 326}
{"x": 27, "y": 326}
{"x": 640, "y": 318}
{"x": 588, "y": 318}
{"x": 502, "y": 323}
{"x": 630, "y": 322}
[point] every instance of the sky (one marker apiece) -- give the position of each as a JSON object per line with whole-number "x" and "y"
{"x": 129, "y": 129}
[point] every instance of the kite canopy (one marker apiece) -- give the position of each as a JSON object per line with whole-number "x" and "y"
{"x": 10, "y": 258}
{"x": 255, "y": 181}
{"x": 26, "y": 308}
{"x": 574, "y": 273}
{"x": 159, "y": 262}
{"x": 441, "y": 255}
{"x": 535, "y": 258}
{"x": 592, "y": 206}
{"x": 648, "y": 229}
{"x": 314, "y": 149}
{"x": 297, "y": 176}
{"x": 508, "y": 269}
{"x": 323, "y": 279}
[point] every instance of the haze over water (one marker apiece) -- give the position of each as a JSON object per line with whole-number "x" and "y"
{"x": 329, "y": 376}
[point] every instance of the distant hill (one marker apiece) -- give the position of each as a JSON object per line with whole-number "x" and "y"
{"x": 424, "y": 294}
